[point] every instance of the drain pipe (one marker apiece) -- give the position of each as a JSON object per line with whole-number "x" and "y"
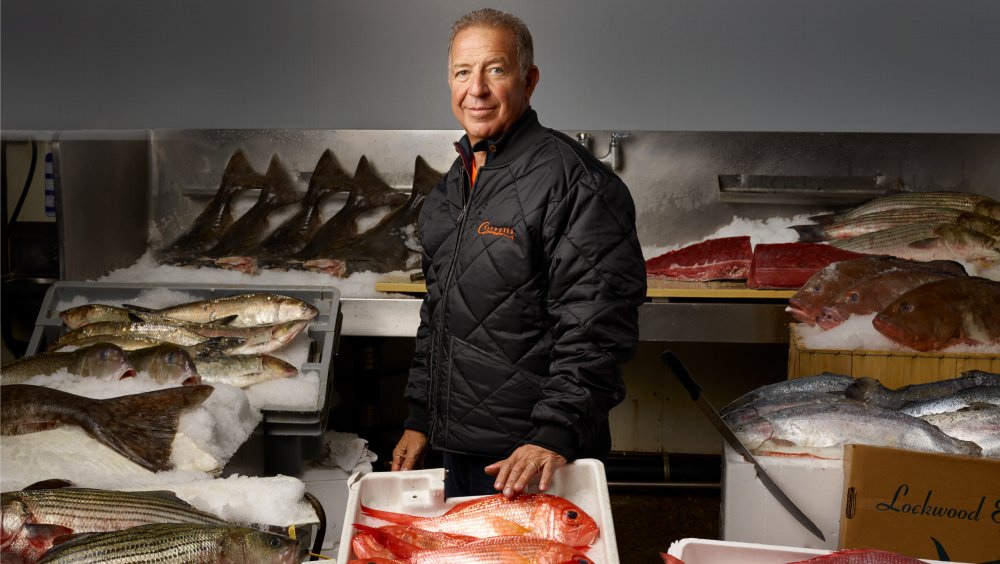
{"x": 667, "y": 470}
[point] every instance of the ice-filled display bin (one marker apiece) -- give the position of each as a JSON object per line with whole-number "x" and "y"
{"x": 421, "y": 492}
{"x": 321, "y": 335}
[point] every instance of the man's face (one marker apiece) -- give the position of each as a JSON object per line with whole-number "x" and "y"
{"x": 488, "y": 93}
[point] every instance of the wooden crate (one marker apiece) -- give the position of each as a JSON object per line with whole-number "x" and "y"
{"x": 892, "y": 368}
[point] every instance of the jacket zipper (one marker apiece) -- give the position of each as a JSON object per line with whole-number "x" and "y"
{"x": 466, "y": 203}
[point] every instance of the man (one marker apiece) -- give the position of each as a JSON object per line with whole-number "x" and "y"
{"x": 534, "y": 277}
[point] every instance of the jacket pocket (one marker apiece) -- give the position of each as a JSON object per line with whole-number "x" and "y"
{"x": 490, "y": 398}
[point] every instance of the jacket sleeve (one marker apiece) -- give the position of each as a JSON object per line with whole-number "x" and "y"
{"x": 597, "y": 280}
{"x": 417, "y": 392}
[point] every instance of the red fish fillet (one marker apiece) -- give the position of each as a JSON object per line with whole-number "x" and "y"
{"x": 790, "y": 265}
{"x": 727, "y": 258}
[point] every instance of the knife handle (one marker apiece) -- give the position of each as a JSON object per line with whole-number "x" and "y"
{"x": 677, "y": 367}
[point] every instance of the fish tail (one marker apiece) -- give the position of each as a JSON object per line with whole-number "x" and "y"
{"x": 397, "y": 518}
{"x": 397, "y": 546}
{"x": 141, "y": 427}
{"x": 810, "y": 233}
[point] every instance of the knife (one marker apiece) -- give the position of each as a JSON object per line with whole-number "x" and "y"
{"x": 675, "y": 365}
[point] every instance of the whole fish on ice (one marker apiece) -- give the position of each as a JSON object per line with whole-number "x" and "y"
{"x": 925, "y": 242}
{"x": 878, "y": 221}
{"x": 979, "y": 423}
{"x": 823, "y": 429}
{"x": 940, "y": 314}
{"x": 243, "y": 370}
{"x": 33, "y": 518}
{"x": 166, "y": 363}
{"x": 832, "y": 280}
{"x": 963, "y": 201}
{"x": 140, "y": 427}
{"x": 962, "y": 399}
{"x": 390, "y": 245}
{"x": 178, "y": 543}
{"x": 250, "y": 309}
{"x": 871, "y": 391}
{"x": 217, "y": 217}
{"x": 516, "y": 549}
{"x": 874, "y": 294}
{"x": 818, "y": 383}
{"x": 105, "y": 361}
{"x": 861, "y": 556}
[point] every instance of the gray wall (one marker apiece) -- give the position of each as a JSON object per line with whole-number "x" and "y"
{"x": 696, "y": 65}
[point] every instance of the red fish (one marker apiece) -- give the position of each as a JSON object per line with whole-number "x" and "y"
{"x": 404, "y": 541}
{"x": 540, "y": 515}
{"x": 861, "y": 556}
{"x": 944, "y": 313}
{"x": 504, "y": 550}
{"x": 366, "y": 546}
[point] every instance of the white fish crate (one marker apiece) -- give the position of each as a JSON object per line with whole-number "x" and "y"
{"x": 707, "y": 551}
{"x": 421, "y": 493}
{"x": 323, "y": 334}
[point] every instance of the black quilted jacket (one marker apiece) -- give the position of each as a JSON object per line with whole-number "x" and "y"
{"x": 534, "y": 282}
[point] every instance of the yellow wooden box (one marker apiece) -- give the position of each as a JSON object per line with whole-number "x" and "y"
{"x": 892, "y": 368}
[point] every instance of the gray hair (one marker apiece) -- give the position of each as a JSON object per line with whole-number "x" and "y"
{"x": 495, "y": 19}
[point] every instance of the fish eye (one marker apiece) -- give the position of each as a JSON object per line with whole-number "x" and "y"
{"x": 275, "y": 542}
{"x": 905, "y": 307}
{"x": 571, "y": 514}
{"x": 853, "y": 297}
{"x": 816, "y": 289}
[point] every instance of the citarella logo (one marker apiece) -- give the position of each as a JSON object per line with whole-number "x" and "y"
{"x": 486, "y": 229}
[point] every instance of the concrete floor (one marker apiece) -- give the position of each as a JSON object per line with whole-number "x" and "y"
{"x": 647, "y": 522}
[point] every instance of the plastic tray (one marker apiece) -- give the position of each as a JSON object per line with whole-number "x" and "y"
{"x": 323, "y": 331}
{"x": 421, "y": 492}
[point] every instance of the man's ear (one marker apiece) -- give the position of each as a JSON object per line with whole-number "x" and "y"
{"x": 531, "y": 80}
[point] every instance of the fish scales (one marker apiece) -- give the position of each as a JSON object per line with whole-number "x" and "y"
{"x": 962, "y": 399}
{"x": 870, "y": 390}
{"x": 878, "y": 221}
{"x": 249, "y": 309}
{"x": 924, "y": 241}
{"x": 825, "y": 382}
{"x": 166, "y": 332}
{"x": 964, "y": 201}
{"x": 177, "y": 544}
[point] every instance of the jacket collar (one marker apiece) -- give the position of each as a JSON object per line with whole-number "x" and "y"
{"x": 511, "y": 143}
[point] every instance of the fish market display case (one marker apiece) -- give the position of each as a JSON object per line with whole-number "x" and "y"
{"x": 284, "y": 427}
{"x": 686, "y": 186}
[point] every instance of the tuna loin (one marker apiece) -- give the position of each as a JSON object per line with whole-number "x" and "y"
{"x": 727, "y": 258}
{"x": 790, "y": 265}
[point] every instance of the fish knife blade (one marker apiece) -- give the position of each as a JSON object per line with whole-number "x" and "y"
{"x": 677, "y": 367}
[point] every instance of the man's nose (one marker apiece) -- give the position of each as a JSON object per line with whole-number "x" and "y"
{"x": 478, "y": 86}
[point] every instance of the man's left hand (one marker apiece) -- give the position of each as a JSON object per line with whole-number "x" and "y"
{"x": 526, "y": 465}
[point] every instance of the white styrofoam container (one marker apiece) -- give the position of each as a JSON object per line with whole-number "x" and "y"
{"x": 329, "y": 485}
{"x": 704, "y": 551}
{"x": 421, "y": 492}
{"x": 751, "y": 514}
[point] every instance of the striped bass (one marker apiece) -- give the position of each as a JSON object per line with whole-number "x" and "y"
{"x": 33, "y": 518}
{"x": 963, "y": 201}
{"x": 173, "y": 543}
{"x": 925, "y": 242}
{"x": 845, "y": 228}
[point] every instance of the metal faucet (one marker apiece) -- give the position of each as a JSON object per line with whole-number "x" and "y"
{"x": 613, "y": 158}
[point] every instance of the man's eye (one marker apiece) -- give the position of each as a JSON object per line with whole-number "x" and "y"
{"x": 496, "y": 70}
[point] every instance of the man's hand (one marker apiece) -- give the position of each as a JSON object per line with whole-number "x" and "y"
{"x": 527, "y": 465}
{"x": 409, "y": 451}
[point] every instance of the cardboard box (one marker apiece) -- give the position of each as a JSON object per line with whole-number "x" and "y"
{"x": 704, "y": 551}
{"x": 921, "y": 504}
{"x": 892, "y": 368}
{"x": 421, "y": 492}
{"x": 751, "y": 514}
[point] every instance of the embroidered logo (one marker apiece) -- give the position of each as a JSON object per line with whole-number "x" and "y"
{"x": 486, "y": 229}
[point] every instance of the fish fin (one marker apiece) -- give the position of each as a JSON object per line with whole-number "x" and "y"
{"x": 397, "y": 518}
{"x": 670, "y": 559}
{"x": 214, "y": 346}
{"x": 141, "y": 427}
{"x": 824, "y": 219}
{"x": 51, "y": 484}
{"x": 327, "y": 177}
{"x": 370, "y": 191}
{"x": 41, "y": 535}
{"x": 279, "y": 189}
{"x": 810, "y": 233}
{"x": 137, "y": 308}
{"x": 425, "y": 178}
{"x": 928, "y": 243}
{"x": 222, "y": 321}
{"x": 862, "y": 388}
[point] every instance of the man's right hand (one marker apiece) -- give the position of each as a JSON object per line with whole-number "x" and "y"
{"x": 409, "y": 451}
